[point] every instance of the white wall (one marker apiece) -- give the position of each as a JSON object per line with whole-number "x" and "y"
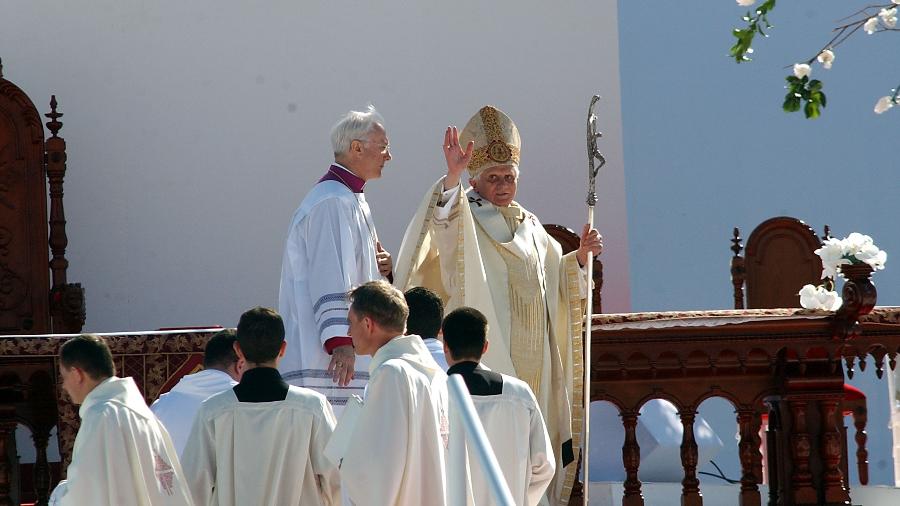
{"x": 195, "y": 128}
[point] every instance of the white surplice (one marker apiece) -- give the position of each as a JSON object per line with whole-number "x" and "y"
{"x": 122, "y": 454}
{"x": 330, "y": 249}
{"x": 242, "y": 453}
{"x": 515, "y": 428}
{"x": 177, "y": 408}
{"x": 395, "y": 453}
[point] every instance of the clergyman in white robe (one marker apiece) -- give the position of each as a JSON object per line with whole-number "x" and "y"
{"x": 122, "y": 454}
{"x": 329, "y": 250}
{"x": 395, "y": 453}
{"x": 246, "y": 448}
{"x": 515, "y": 428}
{"x": 177, "y": 408}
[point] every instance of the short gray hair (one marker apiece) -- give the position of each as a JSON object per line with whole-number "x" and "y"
{"x": 353, "y": 125}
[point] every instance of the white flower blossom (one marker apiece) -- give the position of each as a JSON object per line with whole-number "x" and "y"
{"x": 817, "y": 297}
{"x": 888, "y": 17}
{"x": 826, "y": 58}
{"x": 832, "y": 255}
{"x": 801, "y": 70}
{"x": 883, "y": 104}
{"x": 871, "y": 25}
{"x": 748, "y": 3}
{"x": 896, "y": 2}
{"x": 871, "y": 255}
{"x": 855, "y": 242}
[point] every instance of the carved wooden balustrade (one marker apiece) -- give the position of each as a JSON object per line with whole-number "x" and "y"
{"x": 785, "y": 363}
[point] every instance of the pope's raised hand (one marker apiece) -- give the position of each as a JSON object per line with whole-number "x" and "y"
{"x": 457, "y": 159}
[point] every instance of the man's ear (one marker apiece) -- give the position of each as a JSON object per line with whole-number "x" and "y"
{"x": 238, "y": 351}
{"x": 355, "y": 147}
{"x": 283, "y": 347}
{"x": 487, "y": 344}
{"x": 473, "y": 183}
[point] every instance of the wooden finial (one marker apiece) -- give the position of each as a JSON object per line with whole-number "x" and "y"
{"x": 827, "y": 233}
{"x": 54, "y": 124}
{"x": 736, "y": 246}
{"x": 1, "y": 67}
{"x": 738, "y": 272}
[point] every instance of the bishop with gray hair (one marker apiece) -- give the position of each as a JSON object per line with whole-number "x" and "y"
{"x": 332, "y": 246}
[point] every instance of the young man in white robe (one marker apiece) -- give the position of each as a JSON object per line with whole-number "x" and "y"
{"x": 262, "y": 441}
{"x": 508, "y": 411}
{"x": 480, "y": 248}
{"x": 122, "y": 454}
{"x": 426, "y": 312}
{"x": 177, "y": 408}
{"x": 395, "y": 449}
{"x": 332, "y": 246}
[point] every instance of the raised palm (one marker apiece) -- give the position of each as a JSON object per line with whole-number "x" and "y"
{"x": 457, "y": 159}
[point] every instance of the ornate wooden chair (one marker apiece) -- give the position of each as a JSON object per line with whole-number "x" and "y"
{"x": 778, "y": 261}
{"x": 35, "y": 297}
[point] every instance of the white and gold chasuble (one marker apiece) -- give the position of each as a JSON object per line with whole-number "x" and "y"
{"x": 502, "y": 262}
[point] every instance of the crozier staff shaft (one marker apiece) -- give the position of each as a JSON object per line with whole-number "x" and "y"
{"x": 595, "y": 161}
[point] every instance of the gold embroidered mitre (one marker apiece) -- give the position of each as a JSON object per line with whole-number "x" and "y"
{"x": 496, "y": 139}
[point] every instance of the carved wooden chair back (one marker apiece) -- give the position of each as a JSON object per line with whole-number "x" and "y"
{"x": 778, "y": 260}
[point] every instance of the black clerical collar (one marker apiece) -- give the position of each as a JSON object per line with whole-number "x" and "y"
{"x": 479, "y": 381}
{"x": 261, "y": 384}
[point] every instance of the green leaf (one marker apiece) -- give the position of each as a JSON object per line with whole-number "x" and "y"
{"x": 815, "y": 85}
{"x": 822, "y": 99}
{"x": 791, "y": 103}
{"x": 811, "y": 110}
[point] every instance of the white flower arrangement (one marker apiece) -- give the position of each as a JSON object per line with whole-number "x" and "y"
{"x": 854, "y": 249}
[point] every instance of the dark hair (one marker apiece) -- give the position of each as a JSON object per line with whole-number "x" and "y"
{"x": 90, "y": 354}
{"x": 381, "y": 302}
{"x": 260, "y": 333}
{"x": 426, "y": 310}
{"x": 219, "y": 353}
{"x": 465, "y": 332}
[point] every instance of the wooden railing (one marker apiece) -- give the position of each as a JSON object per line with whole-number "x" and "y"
{"x": 29, "y": 392}
{"x": 787, "y": 364}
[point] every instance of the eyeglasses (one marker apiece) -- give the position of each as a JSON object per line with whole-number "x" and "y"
{"x": 496, "y": 179}
{"x": 384, "y": 147}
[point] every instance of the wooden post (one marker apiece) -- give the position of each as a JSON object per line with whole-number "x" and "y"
{"x": 631, "y": 457}
{"x": 748, "y": 450}
{"x": 690, "y": 485}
